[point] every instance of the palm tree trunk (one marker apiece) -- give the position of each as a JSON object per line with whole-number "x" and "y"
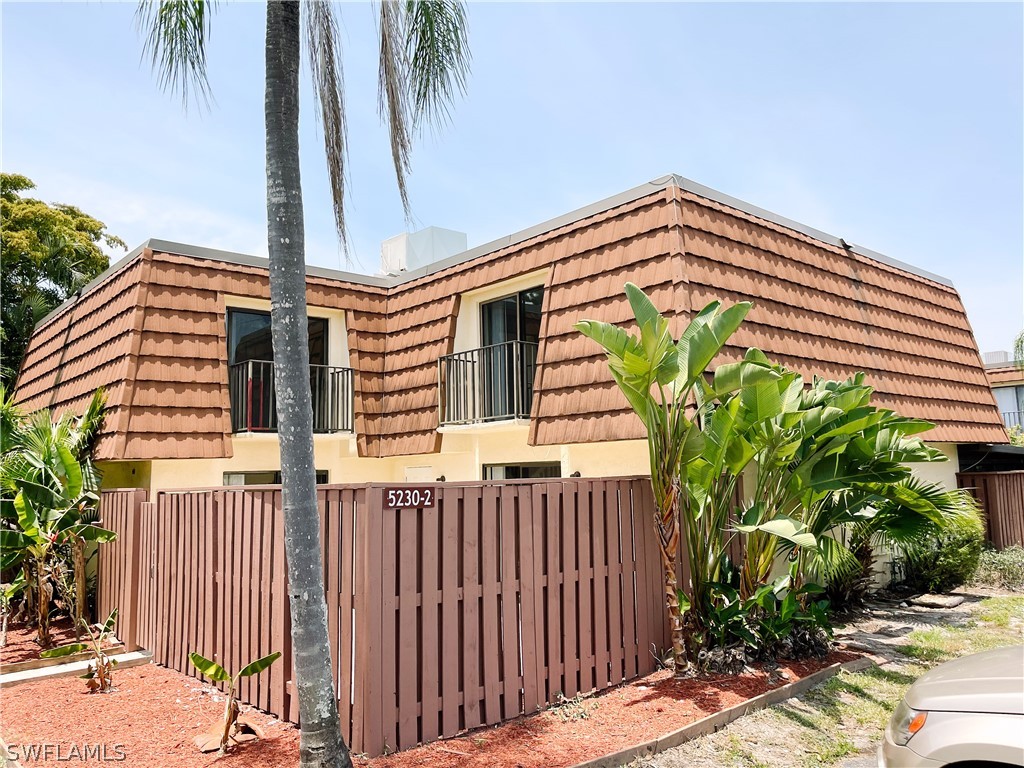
{"x": 668, "y": 544}
{"x": 320, "y": 742}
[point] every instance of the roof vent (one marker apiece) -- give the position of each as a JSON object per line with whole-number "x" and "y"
{"x": 412, "y": 250}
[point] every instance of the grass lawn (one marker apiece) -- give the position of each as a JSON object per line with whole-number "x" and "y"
{"x": 845, "y": 716}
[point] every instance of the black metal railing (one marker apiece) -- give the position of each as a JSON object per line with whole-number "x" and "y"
{"x": 254, "y": 404}
{"x": 1013, "y": 419}
{"x": 487, "y": 384}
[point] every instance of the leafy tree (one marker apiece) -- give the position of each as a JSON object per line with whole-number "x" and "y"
{"x": 823, "y": 460}
{"x": 424, "y": 61}
{"x": 658, "y": 374}
{"x": 47, "y": 253}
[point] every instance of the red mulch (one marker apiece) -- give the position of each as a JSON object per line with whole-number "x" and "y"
{"x": 21, "y": 640}
{"x": 154, "y": 713}
{"x": 630, "y": 714}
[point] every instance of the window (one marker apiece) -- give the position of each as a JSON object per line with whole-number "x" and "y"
{"x": 249, "y": 337}
{"x": 251, "y": 376}
{"x": 525, "y": 471}
{"x": 512, "y": 318}
{"x": 268, "y": 477}
{"x": 1011, "y": 404}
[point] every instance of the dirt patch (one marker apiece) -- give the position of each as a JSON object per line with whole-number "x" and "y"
{"x": 151, "y": 717}
{"x": 632, "y": 713}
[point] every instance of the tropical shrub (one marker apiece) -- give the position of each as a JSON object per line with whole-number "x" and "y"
{"x": 829, "y": 471}
{"x": 231, "y": 727}
{"x": 777, "y": 621}
{"x": 8, "y": 592}
{"x": 1003, "y": 568}
{"x": 49, "y": 504}
{"x": 657, "y": 375}
{"x": 99, "y": 677}
{"x": 945, "y": 560}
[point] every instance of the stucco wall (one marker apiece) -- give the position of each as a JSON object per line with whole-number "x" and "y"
{"x": 943, "y": 472}
{"x": 464, "y": 452}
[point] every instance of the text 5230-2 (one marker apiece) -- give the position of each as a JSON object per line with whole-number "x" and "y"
{"x": 409, "y": 497}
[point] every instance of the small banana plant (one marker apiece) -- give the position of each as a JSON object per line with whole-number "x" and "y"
{"x": 99, "y": 677}
{"x": 231, "y": 729}
{"x": 7, "y": 594}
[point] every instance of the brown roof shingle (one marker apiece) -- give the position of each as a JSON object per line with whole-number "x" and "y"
{"x": 153, "y": 331}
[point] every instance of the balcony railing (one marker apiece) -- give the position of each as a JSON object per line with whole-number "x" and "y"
{"x": 254, "y": 404}
{"x": 488, "y": 384}
{"x": 1013, "y": 419}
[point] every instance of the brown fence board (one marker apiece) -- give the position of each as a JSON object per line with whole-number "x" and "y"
{"x": 451, "y": 509}
{"x": 511, "y": 680}
{"x": 408, "y": 541}
{"x": 475, "y": 611}
{"x": 585, "y": 588}
{"x": 602, "y": 640}
{"x": 471, "y": 675}
{"x": 1001, "y": 496}
{"x": 528, "y": 602}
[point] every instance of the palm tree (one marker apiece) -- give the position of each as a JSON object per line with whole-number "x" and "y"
{"x": 424, "y": 60}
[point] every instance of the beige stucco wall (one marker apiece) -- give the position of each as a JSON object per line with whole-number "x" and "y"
{"x": 942, "y": 472}
{"x": 464, "y": 452}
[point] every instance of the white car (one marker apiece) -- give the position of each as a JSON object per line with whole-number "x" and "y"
{"x": 967, "y": 713}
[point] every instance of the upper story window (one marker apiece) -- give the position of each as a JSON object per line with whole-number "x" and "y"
{"x": 512, "y": 318}
{"x": 251, "y": 376}
{"x": 1011, "y": 404}
{"x": 249, "y": 337}
{"x": 495, "y": 381}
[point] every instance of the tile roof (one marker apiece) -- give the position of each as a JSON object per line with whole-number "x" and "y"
{"x": 152, "y": 329}
{"x": 1002, "y": 375}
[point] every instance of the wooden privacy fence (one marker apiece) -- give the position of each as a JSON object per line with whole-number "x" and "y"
{"x": 1001, "y": 495}
{"x": 475, "y": 611}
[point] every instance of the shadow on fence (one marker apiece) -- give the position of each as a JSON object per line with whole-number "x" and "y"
{"x": 468, "y": 613}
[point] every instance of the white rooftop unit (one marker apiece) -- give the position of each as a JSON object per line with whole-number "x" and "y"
{"x": 412, "y": 250}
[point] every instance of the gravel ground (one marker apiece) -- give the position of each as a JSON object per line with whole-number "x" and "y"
{"x": 840, "y": 722}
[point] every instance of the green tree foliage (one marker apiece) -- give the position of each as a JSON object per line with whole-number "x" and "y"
{"x": 657, "y": 374}
{"x": 802, "y": 470}
{"x": 47, "y": 253}
{"x": 48, "y": 499}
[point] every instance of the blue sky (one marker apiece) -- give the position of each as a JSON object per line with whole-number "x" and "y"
{"x": 897, "y": 127}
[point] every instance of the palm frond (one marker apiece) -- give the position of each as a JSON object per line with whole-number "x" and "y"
{"x": 176, "y": 33}
{"x": 87, "y": 426}
{"x": 437, "y": 46}
{"x": 325, "y": 64}
{"x": 392, "y": 91}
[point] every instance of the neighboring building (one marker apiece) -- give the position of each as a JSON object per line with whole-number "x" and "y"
{"x": 1007, "y": 380}
{"x": 469, "y": 367}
